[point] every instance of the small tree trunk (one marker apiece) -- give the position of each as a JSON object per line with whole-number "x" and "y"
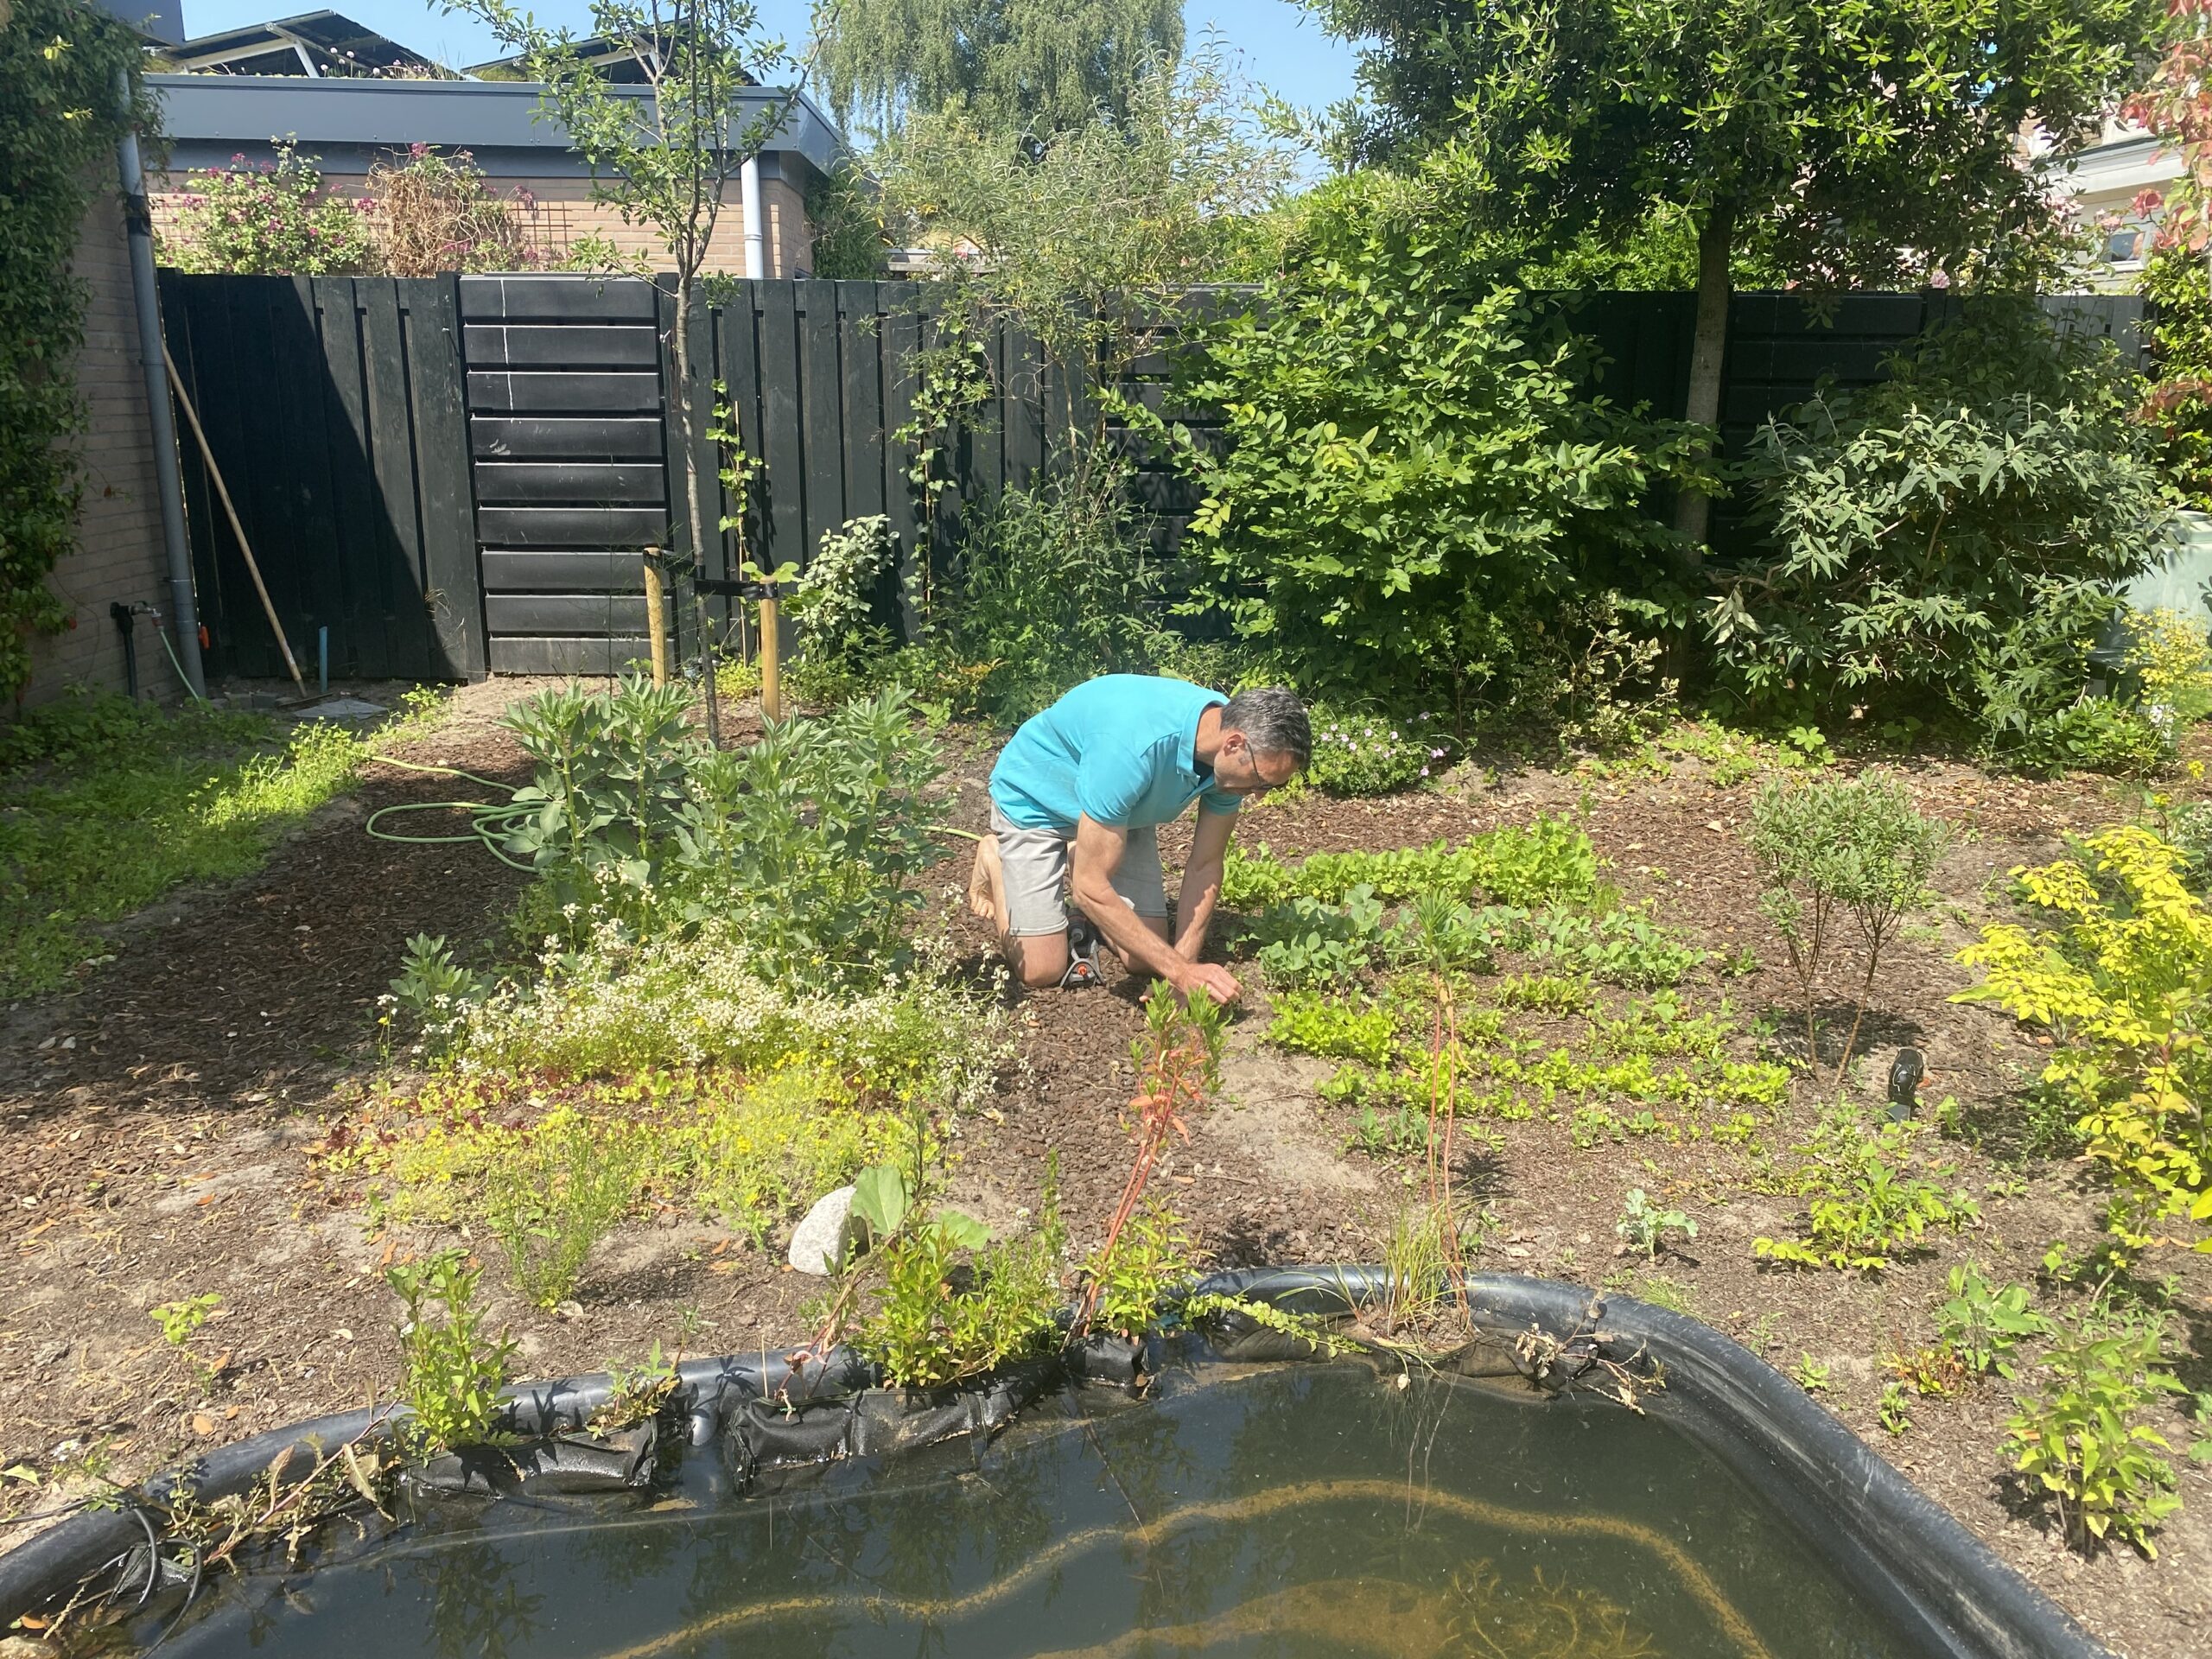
{"x": 1715, "y": 239}
{"x": 695, "y": 512}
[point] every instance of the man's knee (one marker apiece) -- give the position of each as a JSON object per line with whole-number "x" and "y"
{"x": 1041, "y": 959}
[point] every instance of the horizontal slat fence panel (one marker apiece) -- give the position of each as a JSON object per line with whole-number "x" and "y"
{"x": 541, "y": 482}
{"x": 556, "y": 437}
{"x": 571, "y": 480}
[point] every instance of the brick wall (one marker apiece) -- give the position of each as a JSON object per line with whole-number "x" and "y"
{"x": 119, "y": 554}
{"x": 564, "y": 211}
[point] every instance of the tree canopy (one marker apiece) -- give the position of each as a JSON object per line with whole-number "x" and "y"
{"x": 1858, "y": 140}
{"x": 1016, "y": 65}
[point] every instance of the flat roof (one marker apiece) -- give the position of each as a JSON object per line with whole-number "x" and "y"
{"x": 210, "y": 118}
{"x": 314, "y": 43}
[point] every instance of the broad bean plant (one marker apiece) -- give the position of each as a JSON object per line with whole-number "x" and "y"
{"x": 804, "y": 841}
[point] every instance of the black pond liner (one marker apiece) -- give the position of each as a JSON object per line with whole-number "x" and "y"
{"x": 1939, "y": 1587}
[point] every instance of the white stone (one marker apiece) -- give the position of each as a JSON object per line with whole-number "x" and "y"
{"x": 818, "y": 1242}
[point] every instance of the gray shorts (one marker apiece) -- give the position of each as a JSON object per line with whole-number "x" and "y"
{"x": 1033, "y": 863}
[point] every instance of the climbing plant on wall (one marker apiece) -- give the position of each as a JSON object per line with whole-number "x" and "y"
{"x": 60, "y": 117}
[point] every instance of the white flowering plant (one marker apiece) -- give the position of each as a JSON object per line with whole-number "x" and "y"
{"x": 1360, "y": 753}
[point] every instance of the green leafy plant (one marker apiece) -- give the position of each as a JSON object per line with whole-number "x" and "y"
{"x": 1411, "y": 478}
{"x": 1981, "y": 1324}
{"x": 179, "y": 1321}
{"x": 2079, "y": 1437}
{"x": 1137, "y": 1276}
{"x": 1868, "y": 1199}
{"x": 1811, "y": 1374}
{"x": 2121, "y": 978}
{"x": 432, "y": 989}
{"x": 1311, "y": 1023}
{"x": 1643, "y": 1226}
{"x": 1306, "y": 944}
{"x": 1946, "y": 535}
{"x": 1517, "y": 864}
{"x": 635, "y": 1394}
{"x": 553, "y": 1198}
{"x": 1747, "y": 131}
{"x": 452, "y": 1372}
{"x": 802, "y": 841}
{"x": 1832, "y": 850}
{"x": 835, "y": 605}
{"x": 1619, "y": 947}
{"x": 1895, "y": 1411}
{"x": 932, "y": 1325}
{"x": 2098, "y": 734}
{"x": 71, "y": 84}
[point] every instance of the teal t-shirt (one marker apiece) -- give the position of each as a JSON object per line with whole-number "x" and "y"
{"x": 1118, "y": 748}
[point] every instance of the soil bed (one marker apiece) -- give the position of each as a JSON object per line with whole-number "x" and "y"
{"x": 154, "y": 1127}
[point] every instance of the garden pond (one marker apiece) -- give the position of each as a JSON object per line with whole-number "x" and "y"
{"x": 1299, "y": 1511}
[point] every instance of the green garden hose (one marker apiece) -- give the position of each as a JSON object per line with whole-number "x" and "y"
{"x": 489, "y": 822}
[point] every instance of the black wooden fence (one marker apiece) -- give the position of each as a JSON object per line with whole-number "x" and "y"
{"x": 457, "y": 475}
{"x": 334, "y": 406}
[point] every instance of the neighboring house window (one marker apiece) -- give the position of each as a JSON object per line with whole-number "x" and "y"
{"x": 2125, "y": 244}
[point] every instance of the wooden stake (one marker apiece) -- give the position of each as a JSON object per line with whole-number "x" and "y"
{"x": 771, "y": 690}
{"x": 657, "y": 615}
{"x": 223, "y": 494}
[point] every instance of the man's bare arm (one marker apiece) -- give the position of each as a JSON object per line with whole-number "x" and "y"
{"x": 1201, "y": 881}
{"x": 1098, "y": 850}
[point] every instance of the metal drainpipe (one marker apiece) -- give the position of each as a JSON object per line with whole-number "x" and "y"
{"x": 168, "y": 484}
{"x": 756, "y": 248}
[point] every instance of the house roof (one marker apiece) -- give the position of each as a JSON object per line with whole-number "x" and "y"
{"x": 622, "y": 61}
{"x": 314, "y": 43}
{"x": 349, "y": 122}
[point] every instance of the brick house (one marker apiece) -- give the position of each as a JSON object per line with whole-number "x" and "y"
{"x": 351, "y": 123}
{"x": 307, "y": 77}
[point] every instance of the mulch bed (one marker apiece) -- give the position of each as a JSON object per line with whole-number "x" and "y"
{"x": 154, "y": 1128}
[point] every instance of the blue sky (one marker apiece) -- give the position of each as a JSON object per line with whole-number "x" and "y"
{"x": 1282, "y": 46}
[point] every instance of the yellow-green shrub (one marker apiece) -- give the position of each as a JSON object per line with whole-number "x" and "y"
{"x": 2172, "y": 659}
{"x": 619, "y": 1007}
{"x": 746, "y": 1153}
{"x": 2122, "y": 981}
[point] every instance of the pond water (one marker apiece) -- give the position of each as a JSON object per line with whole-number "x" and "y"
{"x": 1296, "y": 1511}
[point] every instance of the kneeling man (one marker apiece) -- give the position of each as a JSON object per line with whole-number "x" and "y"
{"x": 1078, "y": 796}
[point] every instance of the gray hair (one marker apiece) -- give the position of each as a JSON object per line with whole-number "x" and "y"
{"x": 1273, "y": 720}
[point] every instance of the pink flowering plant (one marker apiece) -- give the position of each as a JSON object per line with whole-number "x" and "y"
{"x": 271, "y": 218}
{"x": 1366, "y": 753}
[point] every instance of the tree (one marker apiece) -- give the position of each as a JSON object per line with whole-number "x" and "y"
{"x": 1872, "y": 141}
{"x": 1054, "y": 231}
{"x": 664, "y": 159}
{"x": 1015, "y": 64}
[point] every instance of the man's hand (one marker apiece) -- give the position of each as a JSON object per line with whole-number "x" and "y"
{"x": 1217, "y": 982}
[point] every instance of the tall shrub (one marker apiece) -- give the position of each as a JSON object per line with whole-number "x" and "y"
{"x": 1410, "y": 482}
{"x": 59, "y": 118}
{"x": 1955, "y": 535}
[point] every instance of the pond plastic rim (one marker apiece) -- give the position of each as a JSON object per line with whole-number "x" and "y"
{"x": 1935, "y": 1581}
